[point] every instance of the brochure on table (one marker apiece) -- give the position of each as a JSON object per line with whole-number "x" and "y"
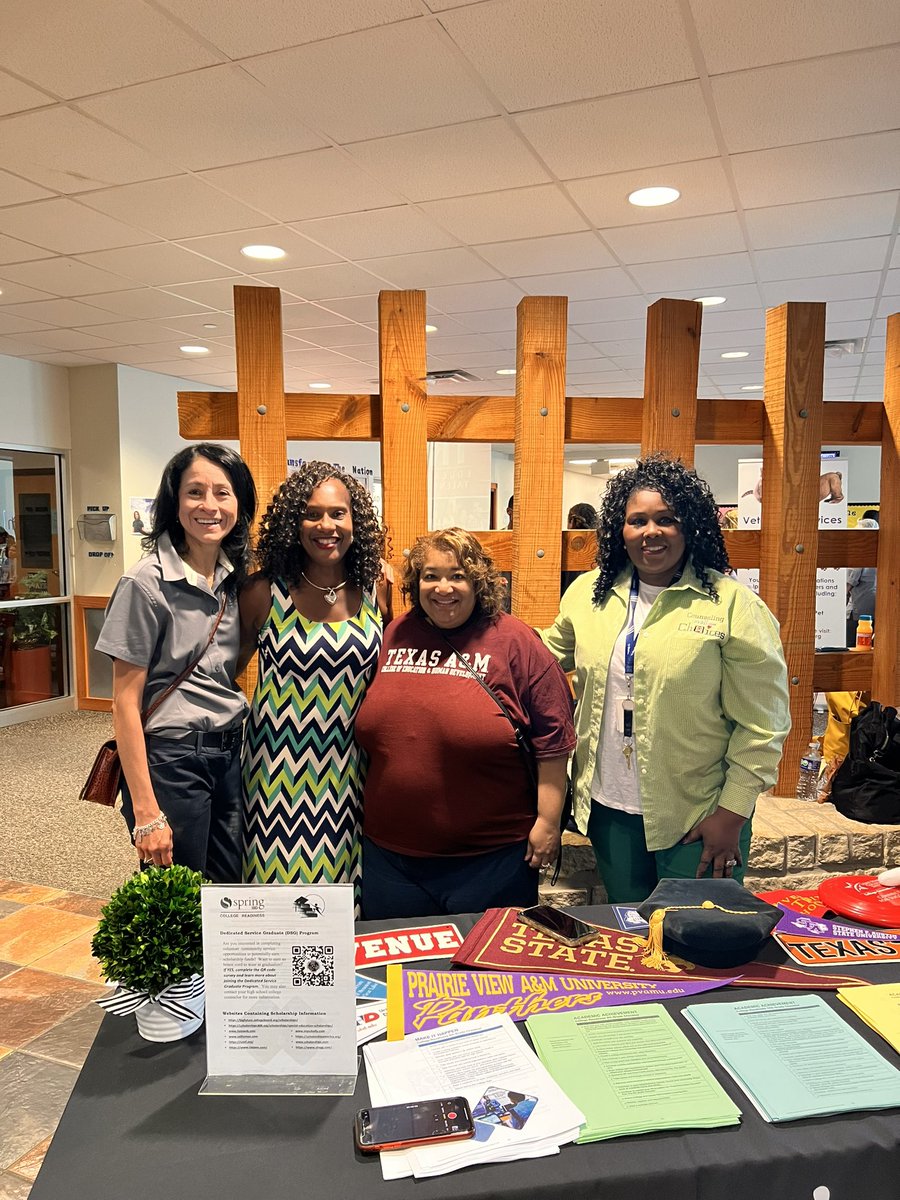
{"x": 280, "y": 999}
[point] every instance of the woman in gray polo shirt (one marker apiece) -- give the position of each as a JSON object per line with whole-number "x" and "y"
{"x": 181, "y": 791}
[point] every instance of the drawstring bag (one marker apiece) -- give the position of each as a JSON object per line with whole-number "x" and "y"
{"x": 866, "y": 786}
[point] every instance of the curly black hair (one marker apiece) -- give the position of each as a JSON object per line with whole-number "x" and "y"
{"x": 689, "y": 498}
{"x": 278, "y": 549}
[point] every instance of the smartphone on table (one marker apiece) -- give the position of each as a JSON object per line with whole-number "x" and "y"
{"x": 559, "y": 925}
{"x": 418, "y": 1123}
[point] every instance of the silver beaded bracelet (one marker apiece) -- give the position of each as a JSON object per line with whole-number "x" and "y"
{"x": 141, "y": 831}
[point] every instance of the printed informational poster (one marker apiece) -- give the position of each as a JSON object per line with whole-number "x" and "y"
{"x": 280, "y": 997}
{"x": 831, "y": 582}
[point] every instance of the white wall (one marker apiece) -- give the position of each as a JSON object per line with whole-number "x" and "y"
{"x": 34, "y": 404}
{"x": 94, "y": 475}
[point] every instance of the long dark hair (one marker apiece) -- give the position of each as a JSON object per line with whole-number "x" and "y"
{"x": 278, "y": 550}
{"x": 165, "y": 507}
{"x": 690, "y": 499}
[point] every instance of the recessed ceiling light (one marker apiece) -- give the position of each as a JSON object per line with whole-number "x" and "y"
{"x": 709, "y": 301}
{"x": 194, "y": 349}
{"x": 210, "y": 327}
{"x": 652, "y": 197}
{"x": 582, "y": 462}
{"x": 752, "y": 387}
{"x": 431, "y": 328}
{"x": 320, "y": 386}
{"x": 507, "y": 371}
{"x": 268, "y": 252}
{"x": 736, "y": 354}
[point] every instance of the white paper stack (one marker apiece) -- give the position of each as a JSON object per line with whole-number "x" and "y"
{"x": 519, "y": 1111}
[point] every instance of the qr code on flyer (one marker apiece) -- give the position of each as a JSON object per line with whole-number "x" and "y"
{"x": 313, "y": 966}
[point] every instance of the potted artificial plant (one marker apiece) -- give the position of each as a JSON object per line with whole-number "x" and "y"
{"x": 31, "y": 665}
{"x": 149, "y": 942}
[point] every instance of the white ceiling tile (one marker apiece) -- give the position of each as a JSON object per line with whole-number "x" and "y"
{"x": 431, "y": 268}
{"x": 397, "y": 230}
{"x": 64, "y": 277}
{"x": 822, "y": 220}
{"x": 181, "y": 207}
{"x": 599, "y": 331}
{"x": 737, "y": 295}
{"x": 497, "y": 320}
{"x": 579, "y": 285}
{"x": 196, "y": 325}
{"x": 214, "y": 293}
{"x": 719, "y": 233}
{"x": 226, "y": 249}
{"x": 715, "y": 340}
{"x": 517, "y": 213}
{"x": 451, "y": 345}
{"x": 756, "y": 32}
{"x": 622, "y": 308}
{"x": 155, "y": 265}
{"x": 311, "y": 316}
{"x": 825, "y": 258}
{"x": 67, "y": 359}
{"x": 848, "y": 329}
{"x": 432, "y": 85}
{"x": 338, "y": 336}
{"x": 833, "y": 97}
{"x": 68, "y": 339}
{"x": 14, "y": 190}
{"x": 818, "y": 170}
{"x": 320, "y": 283}
{"x": 62, "y": 312}
{"x": 68, "y": 227}
{"x": 723, "y": 319}
{"x": 354, "y": 308}
{"x": 63, "y": 150}
{"x": 319, "y": 183}
{"x": 827, "y": 287}
{"x": 536, "y": 256}
{"x": 204, "y": 119}
{"x": 18, "y": 293}
{"x": 316, "y": 356}
{"x": 472, "y": 296}
{"x": 139, "y": 303}
{"x": 621, "y": 133}
{"x": 223, "y": 379}
{"x": 480, "y": 156}
{"x": 532, "y": 53}
{"x": 136, "y": 356}
{"x": 11, "y": 324}
{"x": 95, "y": 44}
{"x": 701, "y": 273}
{"x": 240, "y": 29}
{"x": 16, "y": 96}
{"x": 132, "y": 333}
{"x": 14, "y": 251}
{"x": 19, "y": 347}
{"x": 892, "y": 281}
{"x": 703, "y": 185}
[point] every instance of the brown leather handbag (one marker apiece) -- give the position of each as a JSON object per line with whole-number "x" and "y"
{"x": 104, "y": 781}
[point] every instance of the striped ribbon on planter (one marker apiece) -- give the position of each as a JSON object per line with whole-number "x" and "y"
{"x": 125, "y": 1000}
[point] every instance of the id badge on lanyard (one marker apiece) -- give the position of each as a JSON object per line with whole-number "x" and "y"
{"x": 627, "y": 713}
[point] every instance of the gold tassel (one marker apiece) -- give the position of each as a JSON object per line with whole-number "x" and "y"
{"x": 656, "y": 957}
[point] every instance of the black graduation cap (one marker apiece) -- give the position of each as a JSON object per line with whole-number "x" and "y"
{"x": 710, "y": 922}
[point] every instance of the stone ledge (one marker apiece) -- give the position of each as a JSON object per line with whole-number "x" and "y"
{"x": 796, "y": 844}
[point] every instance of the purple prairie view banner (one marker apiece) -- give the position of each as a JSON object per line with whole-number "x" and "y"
{"x": 800, "y": 925}
{"x": 429, "y": 999}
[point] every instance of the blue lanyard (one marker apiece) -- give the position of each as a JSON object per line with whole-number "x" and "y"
{"x": 630, "y": 636}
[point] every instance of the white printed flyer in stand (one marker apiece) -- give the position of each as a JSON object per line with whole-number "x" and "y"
{"x": 280, "y": 997}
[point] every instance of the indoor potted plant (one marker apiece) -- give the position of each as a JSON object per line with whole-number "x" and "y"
{"x": 149, "y": 942}
{"x": 31, "y": 664}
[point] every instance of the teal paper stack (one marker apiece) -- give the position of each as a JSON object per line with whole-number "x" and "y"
{"x": 796, "y": 1057}
{"x": 630, "y": 1071}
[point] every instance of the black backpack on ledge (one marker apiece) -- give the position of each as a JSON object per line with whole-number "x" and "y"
{"x": 866, "y": 786}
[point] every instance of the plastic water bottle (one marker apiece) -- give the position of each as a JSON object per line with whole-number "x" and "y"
{"x": 810, "y": 763}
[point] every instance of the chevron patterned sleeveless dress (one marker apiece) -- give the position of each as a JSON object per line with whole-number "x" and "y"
{"x": 303, "y": 772}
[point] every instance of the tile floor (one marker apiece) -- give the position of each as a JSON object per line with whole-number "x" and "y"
{"x": 48, "y": 982}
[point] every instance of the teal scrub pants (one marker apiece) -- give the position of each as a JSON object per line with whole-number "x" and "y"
{"x": 629, "y": 870}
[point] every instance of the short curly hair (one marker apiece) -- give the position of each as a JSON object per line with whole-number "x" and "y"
{"x": 489, "y": 584}
{"x": 689, "y": 498}
{"x": 279, "y": 552}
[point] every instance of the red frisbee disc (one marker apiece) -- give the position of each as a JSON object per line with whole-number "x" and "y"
{"x": 862, "y": 897}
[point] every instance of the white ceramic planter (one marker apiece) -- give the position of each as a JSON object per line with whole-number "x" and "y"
{"x": 157, "y": 1025}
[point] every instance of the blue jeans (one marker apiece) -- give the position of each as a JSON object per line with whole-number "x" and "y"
{"x": 401, "y": 885}
{"x": 199, "y": 790}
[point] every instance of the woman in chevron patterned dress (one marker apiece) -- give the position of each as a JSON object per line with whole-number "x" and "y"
{"x": 315, "y": 612}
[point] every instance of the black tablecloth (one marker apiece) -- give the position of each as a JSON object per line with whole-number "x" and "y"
{"x": 135, "y": 1129}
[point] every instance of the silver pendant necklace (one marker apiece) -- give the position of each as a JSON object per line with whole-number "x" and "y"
{"x": 329, "y": 594}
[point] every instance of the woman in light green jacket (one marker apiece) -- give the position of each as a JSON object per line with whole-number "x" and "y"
{"x": 681, "y": 687}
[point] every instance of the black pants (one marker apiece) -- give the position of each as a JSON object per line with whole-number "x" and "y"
{"x": 199, "y": 790}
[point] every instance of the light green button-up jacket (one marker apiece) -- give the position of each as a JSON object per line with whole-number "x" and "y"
{"x": 710, "y": 697}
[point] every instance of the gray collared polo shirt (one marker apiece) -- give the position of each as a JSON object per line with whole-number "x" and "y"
{"x": 159, "y": 616}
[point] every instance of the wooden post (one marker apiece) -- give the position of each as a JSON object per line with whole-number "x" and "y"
{"x": 886, "y": 665}
{"x": 539, "y": 443}
{"x": 404, "y": 421}
{"x": 789, "y": 531}
{"x": 671, "y": 367}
